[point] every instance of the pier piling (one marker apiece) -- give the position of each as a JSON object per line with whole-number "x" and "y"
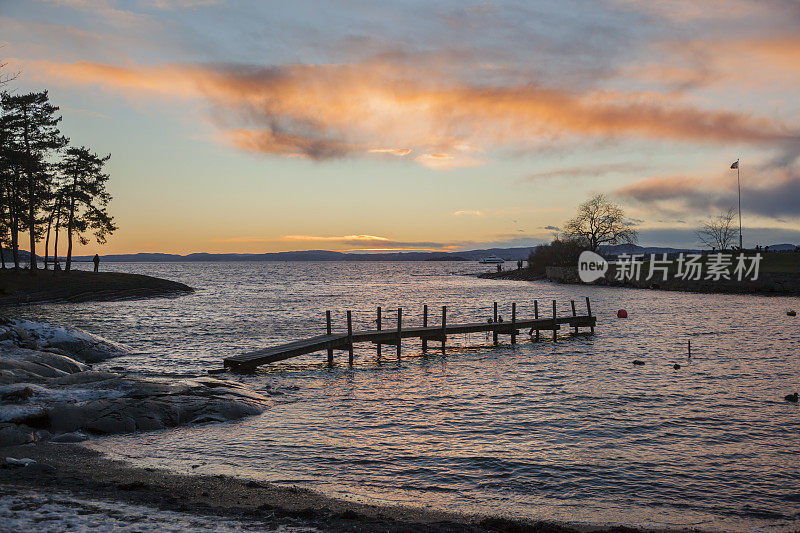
{"x": 513, "y": 323}
{"x": 589, "y": 311}
{"x": 378, "y": 325}
{"x": 444, "y": 328}
{"x": 574, "y": 313}
{"x": 350, "y": 336}
{"x": 494, "y": 333}
{"x": 329, "y": 331}
{"x": 424, "y": 325}
{"x": 399, "y": 330}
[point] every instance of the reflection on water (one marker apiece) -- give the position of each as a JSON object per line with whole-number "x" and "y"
{"x": 567, "y": 430}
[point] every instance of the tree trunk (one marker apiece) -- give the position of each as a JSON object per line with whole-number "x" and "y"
{"x": 55, "y": 245}
{"x": 56, "y": 207}
{"x": 4, "y": 222}
{"x": 69, "y": 223}
{"x": 14, "y": 218}
{"x": 31, "y": 199}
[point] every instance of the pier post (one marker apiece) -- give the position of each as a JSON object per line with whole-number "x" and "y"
{"x": 589, "y": 310}
{"x": 350, "y": 336}
{"x": 513, "y": 323}
{"x": 378, "y": 325}
{"x": 399, "y": 329}
{"x": 328, "y": 329}
{"x": 574, "y": 313}
{"x": 555, "y": 331}
{"x": 424, "y": 325}
{"x": 444, "y": 327}
{"x": 494, "y": 333}
{"x": 536, "y": 315}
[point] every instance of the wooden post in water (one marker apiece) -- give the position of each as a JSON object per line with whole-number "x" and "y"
{"x": 555, "y": 332}
{"x": 424, "y": 325}
{"x": 574, "y": 313}
{"x": 589, "y": 310}
{"x": 494, "y": 333}
{"x": 399, "y": 329}
{"x": 328, "y": 329}
{"x": 378, "y": 326}
{"x": 350, "y": 336}
{"x": 513, "y": 323}
{"x": 536, "y": 315}
{"x": 444, "y": 327}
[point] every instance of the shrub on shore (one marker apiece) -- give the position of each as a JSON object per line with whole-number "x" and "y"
{"x": 559, "y": 253}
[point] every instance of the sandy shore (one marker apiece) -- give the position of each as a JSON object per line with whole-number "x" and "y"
{"x": 20, "y": 287}
{"x": 71, "y": 469}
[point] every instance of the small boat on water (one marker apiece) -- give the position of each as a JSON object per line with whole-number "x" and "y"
{"x": 491, "y": 260}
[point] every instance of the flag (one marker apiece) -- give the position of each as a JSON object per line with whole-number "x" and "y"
{"x": 735, "y": 164}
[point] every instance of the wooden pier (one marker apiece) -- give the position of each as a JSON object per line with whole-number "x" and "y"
{"x": 426, "y": 333}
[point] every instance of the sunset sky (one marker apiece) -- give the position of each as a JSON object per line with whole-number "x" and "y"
{"x": 254, "y": 126}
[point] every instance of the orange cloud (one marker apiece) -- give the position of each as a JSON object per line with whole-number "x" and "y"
{"x": 345, "y": 238}
{"x": 327, "y": 111}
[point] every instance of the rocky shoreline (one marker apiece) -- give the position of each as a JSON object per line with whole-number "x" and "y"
{"x": 19, "y": 287}
{"x": 48, "y": 390}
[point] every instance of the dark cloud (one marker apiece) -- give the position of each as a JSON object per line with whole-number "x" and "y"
{"x": 775, "y": 194}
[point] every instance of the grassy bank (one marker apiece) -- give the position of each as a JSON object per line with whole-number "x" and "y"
{"x": 21, "y": 287}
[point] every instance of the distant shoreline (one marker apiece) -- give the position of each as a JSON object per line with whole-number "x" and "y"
{"x": 19, "y": 287}
{"x": 768, "y": 284}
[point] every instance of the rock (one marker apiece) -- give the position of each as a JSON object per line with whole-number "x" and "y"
{"x": 43, "y": 434}
{"x": 791, "y": 398}
{"x": 676, "y": 366}
{"x": 637, "y": 362}
{"x": 20, "y": 462}
{"x": 16, "y": 394}
{"x": 79, "y": 344}
{"x": 74, "y": 436}
{"x": 13, "y": 434}
{"x": 21, "y": 333}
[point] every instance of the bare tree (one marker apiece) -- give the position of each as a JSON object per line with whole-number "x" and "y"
{"x": 717, "y": 231}
{"x": 599, "y": 221}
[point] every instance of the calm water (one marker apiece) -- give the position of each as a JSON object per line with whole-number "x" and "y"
{"x": 567, "y": 430}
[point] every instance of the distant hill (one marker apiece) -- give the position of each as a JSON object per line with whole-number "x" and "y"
{"x": 782, "y": 247}
{"x": 509, "y": 254}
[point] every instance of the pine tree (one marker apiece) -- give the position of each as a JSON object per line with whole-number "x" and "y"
{"x": 33, "y": 138}
{"x": 86, "y": 197}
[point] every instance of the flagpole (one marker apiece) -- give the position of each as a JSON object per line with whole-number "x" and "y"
{"x": 739, "y": 184}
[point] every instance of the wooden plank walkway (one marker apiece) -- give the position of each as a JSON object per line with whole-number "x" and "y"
{"x": 344, "y": 341}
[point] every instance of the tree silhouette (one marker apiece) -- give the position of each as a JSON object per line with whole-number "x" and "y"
{"x": 598, "y": 222}
{"x": 33, "y": 137}
{"x": 717, "y": 231}
{"x": 86, "y": 196}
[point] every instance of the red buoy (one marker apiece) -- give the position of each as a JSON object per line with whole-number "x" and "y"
{"x": 622, "y": 313}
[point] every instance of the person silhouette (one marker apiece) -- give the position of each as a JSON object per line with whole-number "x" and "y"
{"x": 96, "y": 261}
